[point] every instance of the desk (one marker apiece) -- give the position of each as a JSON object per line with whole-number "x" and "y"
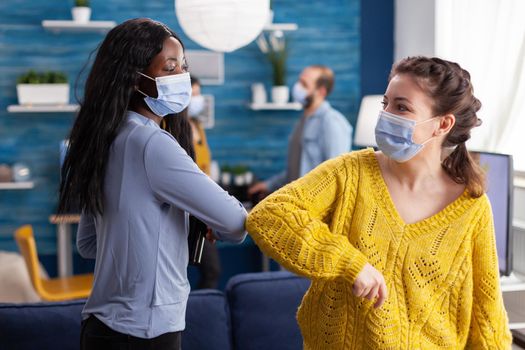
{"x": 64, "y": 244}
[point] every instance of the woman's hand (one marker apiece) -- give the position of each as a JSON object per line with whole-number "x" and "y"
{"x": 210, "y": 236}
{"x": 370, "y": 284}
{"x": 260, "y": 188}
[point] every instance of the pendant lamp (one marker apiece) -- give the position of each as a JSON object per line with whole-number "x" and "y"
{"x": 222, "y": 25}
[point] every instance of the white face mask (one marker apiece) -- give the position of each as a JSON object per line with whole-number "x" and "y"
{"x": 196, "y": 106}
{"x": 174, "y": 94}
{"x": 299, "y": 93}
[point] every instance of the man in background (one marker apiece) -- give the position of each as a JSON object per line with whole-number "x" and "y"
{"x": 321, "y": 133}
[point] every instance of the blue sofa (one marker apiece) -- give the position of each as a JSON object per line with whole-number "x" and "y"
{"x": 257, "y": 311}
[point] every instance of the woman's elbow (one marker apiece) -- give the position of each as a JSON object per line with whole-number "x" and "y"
{"x": 238, "y": 238}
{"x": 86, "y": 251}
{"x": 235, "y": 228}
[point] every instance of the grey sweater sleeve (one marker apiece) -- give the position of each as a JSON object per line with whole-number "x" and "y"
{"x": 177, "y": 180}
{"x": 87, "y": 237}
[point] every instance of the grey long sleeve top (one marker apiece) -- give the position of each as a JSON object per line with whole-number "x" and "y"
{"x": 140, "y": 242}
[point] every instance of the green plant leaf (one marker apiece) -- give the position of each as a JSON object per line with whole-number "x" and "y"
{"x": 49, "y": 77}
{"x": 278, "y": 60}
{"x": 82, "y": 3}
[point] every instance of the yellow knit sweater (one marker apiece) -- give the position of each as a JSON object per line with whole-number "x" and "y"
{"x": 441, "y": 273}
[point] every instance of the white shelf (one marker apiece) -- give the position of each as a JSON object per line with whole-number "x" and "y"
{"x": 280, "y": 26}
{"x": 17, "y": 185}
{"x": 74, "y": 26}
{"x": 292, "y": 106}
{"x": 41, "y": 108}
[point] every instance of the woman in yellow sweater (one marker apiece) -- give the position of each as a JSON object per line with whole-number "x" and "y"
{"x": 399, "y": 243}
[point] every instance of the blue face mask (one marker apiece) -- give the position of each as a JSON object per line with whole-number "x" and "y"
{"x": 394, "y": 136}
{"x": 174, "y": 94}
{"x": 196, "y": 106}
{"x": 299, "y": 93}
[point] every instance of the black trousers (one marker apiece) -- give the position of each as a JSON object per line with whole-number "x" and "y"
{"x": 95, "y": 335}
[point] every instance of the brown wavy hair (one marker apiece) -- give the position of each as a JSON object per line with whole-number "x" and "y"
{"x": 450, "y": 88}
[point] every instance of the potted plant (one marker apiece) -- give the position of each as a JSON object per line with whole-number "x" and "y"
{"x": 81, "y": 12}
{"x": 277, "y": 53}
{"x": 47, "y": 88}
{"x": 239, "y": 175}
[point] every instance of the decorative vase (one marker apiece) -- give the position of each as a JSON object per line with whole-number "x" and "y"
{"x": 81, "y": 14}
{"x": 280, "y": 94}
{"x": 21, "y": 172}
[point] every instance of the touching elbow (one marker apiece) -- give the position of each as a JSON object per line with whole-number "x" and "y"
{"x": 237, "y": 230}
{"x": 238, "y": 238}
{"x": 233, "y": 229}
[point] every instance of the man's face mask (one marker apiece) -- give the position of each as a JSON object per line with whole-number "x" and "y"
{"x": 394, "y": 136}
{"x": 300, "y": 94}
{"x": 174, "y": 94}
{"x": 196, "y": 106}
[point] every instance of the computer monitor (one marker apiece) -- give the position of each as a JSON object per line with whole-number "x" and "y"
{"x": 499, "y": 175}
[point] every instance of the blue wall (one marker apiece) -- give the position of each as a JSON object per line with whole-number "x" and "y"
{"x": 377, "y": 45}
{"x": 343, "y": 34}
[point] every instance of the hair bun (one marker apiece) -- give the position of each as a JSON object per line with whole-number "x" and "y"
{"x": 478, "y": 122}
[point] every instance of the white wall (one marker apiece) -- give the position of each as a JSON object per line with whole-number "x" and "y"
{"x": 414, "y": 28}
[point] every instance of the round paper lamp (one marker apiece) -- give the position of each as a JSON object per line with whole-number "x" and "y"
{"x": 222, "y": 25}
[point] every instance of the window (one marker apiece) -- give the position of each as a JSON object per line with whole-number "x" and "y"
{"x": 487, "y": 38}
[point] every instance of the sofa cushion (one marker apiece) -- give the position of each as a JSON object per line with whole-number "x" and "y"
{"x": 263, "y": 308}
{"x": 57, "y": 325}
{"x": 207, "y": 322}
{"x": 41, "y": 326}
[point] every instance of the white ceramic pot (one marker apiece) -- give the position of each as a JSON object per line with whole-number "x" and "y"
{"x": 258, "y": 94}
{"x": 43, "y": 94}
{"x": 248, "y": 177}
{"x": 280, "y": 94}
{"x": 81, "y": 14}
{"x": 226, "y": 179}
{"x": 238, "y": 180}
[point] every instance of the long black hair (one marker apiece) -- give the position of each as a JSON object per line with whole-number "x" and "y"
{"x": 178, "y": 125}
{"x": 127, "y": 49}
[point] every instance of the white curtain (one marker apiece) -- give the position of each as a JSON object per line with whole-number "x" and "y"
{"x": 487, "y": 38}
